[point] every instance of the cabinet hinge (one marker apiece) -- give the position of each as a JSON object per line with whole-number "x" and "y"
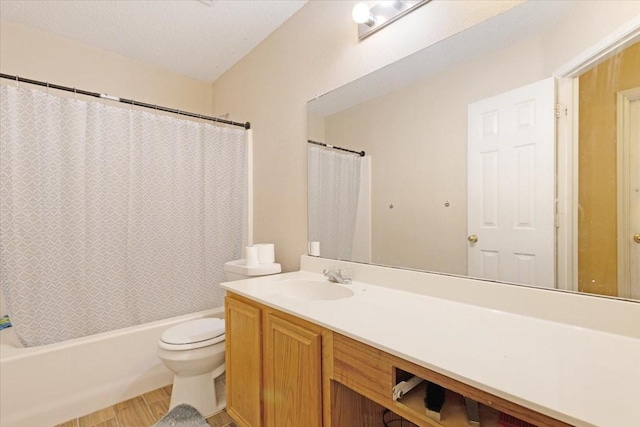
{"x": 561, "y": 111}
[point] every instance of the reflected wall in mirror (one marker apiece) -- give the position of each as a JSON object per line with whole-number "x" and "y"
{"x": 415, "y": 202}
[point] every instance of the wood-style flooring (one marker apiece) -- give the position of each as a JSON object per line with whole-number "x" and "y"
{"x": 141, "y": 411}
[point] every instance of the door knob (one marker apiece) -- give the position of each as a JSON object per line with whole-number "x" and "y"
{"x": 473, "y": 238}
{"x": 636, "y": 237}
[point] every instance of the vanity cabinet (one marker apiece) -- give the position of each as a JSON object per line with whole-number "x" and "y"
{"x": 274, "y": 367}
{"x": 292, "y": 374}
{"x": 243, "y": 362}
{"x": 286, "y": 371}
{"x": 373, "y": 373}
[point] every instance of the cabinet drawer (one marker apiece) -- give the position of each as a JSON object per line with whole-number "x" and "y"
{"x": 362, "y": 368}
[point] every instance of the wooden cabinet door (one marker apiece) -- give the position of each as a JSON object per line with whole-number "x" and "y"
{"x": 244, "y": 362}
{"x": 292, "y": 375}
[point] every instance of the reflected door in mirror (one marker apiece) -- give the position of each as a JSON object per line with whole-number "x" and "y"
{"x": 511, "y": 186}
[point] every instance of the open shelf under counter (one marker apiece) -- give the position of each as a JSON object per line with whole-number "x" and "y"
{"x": 453, "y": 413}
{"x": 373, "y": 373}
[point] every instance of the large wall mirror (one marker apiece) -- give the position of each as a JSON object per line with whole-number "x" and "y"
{"x": 463, "y": 171}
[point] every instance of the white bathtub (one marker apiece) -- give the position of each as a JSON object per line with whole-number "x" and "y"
{"x": 47, "y": 385}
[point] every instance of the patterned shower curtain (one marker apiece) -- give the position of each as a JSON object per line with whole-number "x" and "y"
{"x": 334, "y": 186}
{"x": 111, "y": 217}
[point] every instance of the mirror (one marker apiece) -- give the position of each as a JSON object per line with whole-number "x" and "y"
{"x": 410, "y": 202}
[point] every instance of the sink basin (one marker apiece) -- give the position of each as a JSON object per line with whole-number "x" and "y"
{"x": 313, "y": 290}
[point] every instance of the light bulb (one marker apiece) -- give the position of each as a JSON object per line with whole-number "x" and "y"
{"x": 360, "y": 13}
{"x": 396, "y": 4}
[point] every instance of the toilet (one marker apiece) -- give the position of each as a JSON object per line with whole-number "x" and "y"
{"x": 194, "y": 351}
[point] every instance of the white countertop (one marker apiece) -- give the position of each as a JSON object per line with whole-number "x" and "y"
{"x": 577, "y": 375}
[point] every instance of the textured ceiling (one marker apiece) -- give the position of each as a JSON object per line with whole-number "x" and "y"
{"x": 197, "y": 38}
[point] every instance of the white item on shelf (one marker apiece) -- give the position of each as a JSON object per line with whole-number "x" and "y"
{"x": 404, "y": 387}
{"x": 314, "y": 248}
{"x": 251, "y": 259}
{"x": 266, "y": 253}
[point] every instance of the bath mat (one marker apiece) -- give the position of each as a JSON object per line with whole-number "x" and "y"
{"x": 182, "y": 415}
{"x": 5, "y": 322}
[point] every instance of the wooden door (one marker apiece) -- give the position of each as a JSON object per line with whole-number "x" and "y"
{"x": 292, "y": 375}
{"x": 511, "y": 186}
{"x": 244, "y": 362}
{"x": 628, "y": 188}
{"x": 629, "y": 202}
{"x": 634, "y": 197}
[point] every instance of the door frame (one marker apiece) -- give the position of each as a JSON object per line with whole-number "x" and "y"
{"x": 623, "y": 188}
{"x": 567, "y": 147}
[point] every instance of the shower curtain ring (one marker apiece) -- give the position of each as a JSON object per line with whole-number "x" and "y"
{"x": 18, "y": 82}
{"x": 75, "y": 93}
{"x": 47, "y": 87}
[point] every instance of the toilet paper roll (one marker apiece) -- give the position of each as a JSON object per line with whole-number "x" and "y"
{"x": 314, "y": 248}
{"x": 266, "y": 253}
{"x": 251, "y": 256}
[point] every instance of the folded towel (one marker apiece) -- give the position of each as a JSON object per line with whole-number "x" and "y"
{"x": 5, "y": 322}
{"x": 182, "y": 415}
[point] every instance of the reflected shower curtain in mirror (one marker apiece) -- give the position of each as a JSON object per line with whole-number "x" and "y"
{"x": 334, "y": 186}
{"x": 111, "y": 217}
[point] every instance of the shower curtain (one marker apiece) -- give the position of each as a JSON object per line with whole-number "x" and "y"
{"x": 334, "y": 186}
{"x": 112, "y": 217}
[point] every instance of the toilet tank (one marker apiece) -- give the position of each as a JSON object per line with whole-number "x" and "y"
{"x": 238, "y": 270}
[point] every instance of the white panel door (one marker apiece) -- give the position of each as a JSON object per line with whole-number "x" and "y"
{"x": 511, "y": 190}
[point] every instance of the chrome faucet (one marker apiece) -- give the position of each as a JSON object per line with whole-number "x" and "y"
{"x": 336, "y": 275}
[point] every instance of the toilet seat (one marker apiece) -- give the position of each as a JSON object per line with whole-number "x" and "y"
{"x": 193, "y": 334}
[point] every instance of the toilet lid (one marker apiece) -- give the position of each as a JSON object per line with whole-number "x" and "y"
{"x": 194, "y": 331}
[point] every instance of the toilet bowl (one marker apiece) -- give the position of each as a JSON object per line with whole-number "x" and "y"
{"x": 194, "y": 352}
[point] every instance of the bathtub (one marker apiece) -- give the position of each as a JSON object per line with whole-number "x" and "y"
{"x": 47, "y": 385}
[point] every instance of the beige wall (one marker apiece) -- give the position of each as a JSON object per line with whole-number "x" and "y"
{"x": 597, "y": 228}
{"x": 418, "y": 135}
{"x": 418, "y": 139}
{"x": 316, "y": 51}
{"x": 313, "y": 52}
{"x": 315, "y": 127}
{"x": 39, "y": 55}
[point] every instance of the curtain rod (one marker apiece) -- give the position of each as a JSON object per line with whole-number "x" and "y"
{"x": 17, "y": 79}
{"x": 360, "y": 153}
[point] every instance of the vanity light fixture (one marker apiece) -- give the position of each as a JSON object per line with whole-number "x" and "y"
{"x": 362, "y": 15}
{"x": 383, "y": 13}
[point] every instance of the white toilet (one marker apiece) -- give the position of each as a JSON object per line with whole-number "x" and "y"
{"x": 194, "y": 351}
